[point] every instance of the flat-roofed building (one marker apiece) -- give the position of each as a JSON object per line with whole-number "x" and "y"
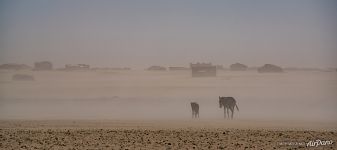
{"x": 203, "y": 70}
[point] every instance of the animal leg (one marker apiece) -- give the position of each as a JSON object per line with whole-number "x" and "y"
{"x": 224, "y": 111}
{"x": 228, "y": 112}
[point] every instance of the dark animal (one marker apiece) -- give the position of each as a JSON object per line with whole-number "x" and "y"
{"x": 195, "y": 109}
{"x": 228, "y": 103}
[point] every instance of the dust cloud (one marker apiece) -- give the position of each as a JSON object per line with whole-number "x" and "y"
{"x": 164, "y": 95}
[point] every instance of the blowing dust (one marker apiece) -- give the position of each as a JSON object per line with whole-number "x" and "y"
{"x": 156, "y": 95}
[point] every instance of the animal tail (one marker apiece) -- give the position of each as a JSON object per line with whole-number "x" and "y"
{"x": 237, "y": 107}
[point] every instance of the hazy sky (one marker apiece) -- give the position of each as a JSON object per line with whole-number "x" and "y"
{"x": 134, "y": 33}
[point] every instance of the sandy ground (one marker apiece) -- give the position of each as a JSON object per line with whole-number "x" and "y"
{"x": 156, "y": 134}
{"x": 169, "y": 134}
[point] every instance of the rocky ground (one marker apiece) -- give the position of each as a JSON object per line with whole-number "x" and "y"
{"x": 46, "y": 137}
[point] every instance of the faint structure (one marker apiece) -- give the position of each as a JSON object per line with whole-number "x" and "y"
{"x": 178, "y": 68}
{"x": 14, "y": 66}
{"x": 238, "y": 67}
{"x": 220, "y": 67}
{"x": 22, "y": 77}
{"x": 77, "y": 67}
{"x": 43, "y": 65}
{"x": 195, "y": 109}
{"x": 114, "y": 69}
{"x": 156, "y": 68}
{"x": 203, "y": 70}
{"x": 269, "y": 68}
{"x": 228, "y": 103}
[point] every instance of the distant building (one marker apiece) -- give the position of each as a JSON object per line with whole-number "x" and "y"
{"x": 156, "y": 68}
{"x": 77, "y": 67}
{"x": 220, "y": 67}
{"x": 43, "y": 65}
{"x": 114, "y": 69}
{"x": 125, "y": 68}
{"x": 269, "y": 68}
{"x": 238, "y": 67}
{"x": 203, "y": 70}
{"x": 178, "y": 68}
{"x": 14, "y": 66}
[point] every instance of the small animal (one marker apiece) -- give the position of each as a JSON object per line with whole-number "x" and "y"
{"x": 195, "y": 110}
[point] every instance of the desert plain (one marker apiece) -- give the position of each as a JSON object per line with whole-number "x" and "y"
{"x": 140, "y": 109}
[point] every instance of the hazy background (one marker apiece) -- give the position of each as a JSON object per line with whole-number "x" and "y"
{"x": 137, "y": 95}
{"x": 141, "y": 33}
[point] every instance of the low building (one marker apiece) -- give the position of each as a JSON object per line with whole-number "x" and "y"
{"x": 238, "y": 67}
{"x": 43, "y": 65}
{"x": 15, "y": 67}
{"x": 113, "y": 69}
{"x": 77, "y": 67}
{"x": 269, "y": 68}
{"x": 203, "y": 70}
{"x": 178, "y": 68}
{"x": 156, "y": 68}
